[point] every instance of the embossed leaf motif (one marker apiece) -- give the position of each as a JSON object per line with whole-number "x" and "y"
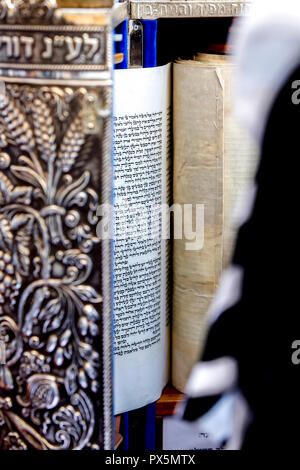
{"x": 13, "y": 348}
{"x": 89, "y": 366}
{"x": 21, "y": 194}
{"x": 51, "y": 315}
{"x": 6, "y": 236}
{"x": 6, "y": 380}
{"x": 69, "y": 421}
{"x": 85, "y": 350}
{"x": 88, "y": 294}
{"x": 6, "y": 187}
{"x": 70, "y": 380}
{"x": 10, "y": 193}
{"x": 29, "y": 176}
{"x": 34, "y": 310}
{"x": 22, "y": 225}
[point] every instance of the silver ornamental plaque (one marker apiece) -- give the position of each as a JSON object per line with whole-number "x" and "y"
{"x": 140, "y": 9}
{"x": 55, "y": 315}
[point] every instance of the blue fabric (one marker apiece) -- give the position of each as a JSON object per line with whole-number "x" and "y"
{"x": 150, "y": 427}
{"x": 150, "y": 43}
{"x": 122, "y": 45}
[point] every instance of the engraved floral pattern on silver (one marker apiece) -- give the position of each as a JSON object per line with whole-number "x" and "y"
{"x": 50, "y": 308}
{"x": 27, "y": 11}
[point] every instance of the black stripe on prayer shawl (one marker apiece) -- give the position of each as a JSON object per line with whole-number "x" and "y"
{"x": 199, "y": 406}
{"x": 259, "y": 330}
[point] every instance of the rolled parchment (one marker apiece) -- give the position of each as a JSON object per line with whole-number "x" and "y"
{"x": 214, "y": 161}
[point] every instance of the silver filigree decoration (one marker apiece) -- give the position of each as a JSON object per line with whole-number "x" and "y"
{"x": 3, "y": 9}
{"x": 27, "y": 11}
{"x": 13, "y": 441}
{"x": 49, "y": 307}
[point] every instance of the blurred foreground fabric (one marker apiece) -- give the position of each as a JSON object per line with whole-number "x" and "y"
{"x": 245, "y": 391}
